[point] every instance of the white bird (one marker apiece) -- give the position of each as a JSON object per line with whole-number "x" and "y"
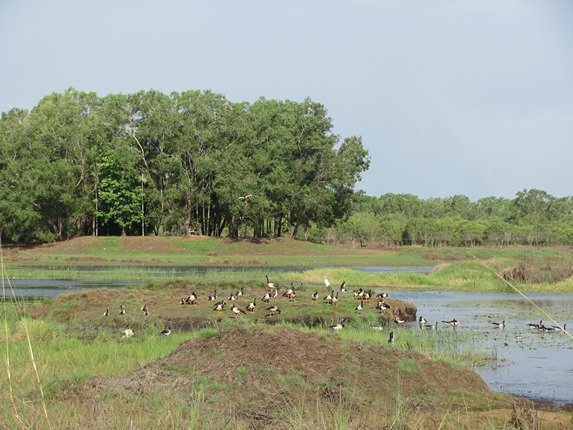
{"x": 338, "y": 326}
{"x": 327, "y": 283}
{"x": 127, "y": 333}
{"x": 247, "y": 197}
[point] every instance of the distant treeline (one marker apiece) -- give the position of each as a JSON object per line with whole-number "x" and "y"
{"x": 533, "y": 217}
{"x": 190, "y": 162}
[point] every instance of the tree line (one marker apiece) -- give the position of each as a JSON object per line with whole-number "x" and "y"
{"x": 183, "y": 163}
{"x": 196, "y": 163}
{"x": 533, "y": 217}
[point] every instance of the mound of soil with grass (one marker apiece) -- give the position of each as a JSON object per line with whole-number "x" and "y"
{"x": 269, "y": 377}
{"x": 85, "y": 309}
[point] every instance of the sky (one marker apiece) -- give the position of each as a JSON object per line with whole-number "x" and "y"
{"x": 471, "y": 97}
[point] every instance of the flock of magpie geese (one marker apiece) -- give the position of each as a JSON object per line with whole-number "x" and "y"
{"x": 272, "y": 292}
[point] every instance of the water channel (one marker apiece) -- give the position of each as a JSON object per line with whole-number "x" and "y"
{"x": 529, "y": 363}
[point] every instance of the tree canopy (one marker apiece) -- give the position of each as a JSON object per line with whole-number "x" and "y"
{"x": 186, "y": 162}
{"x": 195, "y": 162}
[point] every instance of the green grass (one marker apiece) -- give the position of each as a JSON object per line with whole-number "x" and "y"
{"x": 129, "y": 260}
{"x": 67, "y": 358}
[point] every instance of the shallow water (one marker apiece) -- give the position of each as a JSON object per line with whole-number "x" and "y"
{"x": 530, "y": 363}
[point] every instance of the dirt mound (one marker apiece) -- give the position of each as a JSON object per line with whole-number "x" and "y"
{"x": 87, "y": 307}
{"x": 262, "y": 375}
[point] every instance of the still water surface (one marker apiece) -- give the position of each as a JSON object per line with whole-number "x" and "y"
{"x": 530, "y": 363}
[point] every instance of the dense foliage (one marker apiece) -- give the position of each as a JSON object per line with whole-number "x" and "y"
{"x": 78, "y": 164}
{"x": 533, "y": 217}
{"x": 194, "y": 162}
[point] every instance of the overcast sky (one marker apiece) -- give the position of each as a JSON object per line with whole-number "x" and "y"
{"x": 470, "y": 97}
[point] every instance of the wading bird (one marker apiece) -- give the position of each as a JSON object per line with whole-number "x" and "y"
{"x": 451, "y": 323}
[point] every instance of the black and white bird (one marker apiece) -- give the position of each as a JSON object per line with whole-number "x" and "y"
{"x": 314, "y": 296}
{"x": 391, "y": 338}
{"x": 382, "y": 305}
{"x": 328, "y": 298}
{"x": 269, "y": 284}
{"x": 535, "y": 326}
{"x": 334, "y": 299}
{"x": 382, "y": 295}
{"x": 237, "y": 310}
{"x": 273, "y": 310}
{"x": 213, "y": 296}
{"x": 422, "y": 320}
{"x": 560, "y": 328}
{"x": 219, "y": 306}
{"x": 106, "y": 313}
{"x": 166, "y": 332}
{"x": 399, "y": 320}
{"x": 342, "y": 286}
{"x": 251, "y": 306}
{"x": 144, "y": 309}
{"x": 499, "y": 324}
{"x": 360, "y": 306}
{"x": 451, "y": 323}
{"x": 267, "y": 297}
{"x": 192, "y": 299}
{"x": 432, "y": 326}
{"x": 290, "y": 293}
{"x": 121, "y": 310}
{"x": 240, "y": 292}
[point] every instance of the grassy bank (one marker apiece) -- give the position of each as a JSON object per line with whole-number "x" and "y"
{"x": 139, "y": 260}
{"x": 243, "y": 374}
